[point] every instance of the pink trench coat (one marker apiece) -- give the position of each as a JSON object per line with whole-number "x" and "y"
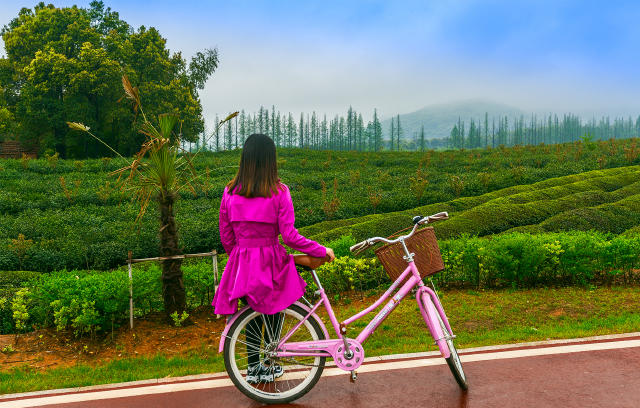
{"x": 259, "y": 268}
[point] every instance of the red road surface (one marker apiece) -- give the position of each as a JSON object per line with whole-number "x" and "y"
{"x": 597, "y": 378}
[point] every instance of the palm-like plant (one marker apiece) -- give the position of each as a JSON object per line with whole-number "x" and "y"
{"x": 159, "y": 171}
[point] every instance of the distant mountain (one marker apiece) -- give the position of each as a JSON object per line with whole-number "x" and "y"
{"x": 438, "y": 120}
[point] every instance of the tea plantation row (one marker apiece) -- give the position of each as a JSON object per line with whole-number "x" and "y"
{"x": 57, "y": 214}
{"x": 602, "y": 200}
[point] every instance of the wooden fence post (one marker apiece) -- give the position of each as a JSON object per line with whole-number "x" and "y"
{"x": 130, "y": 293}
{"x": 214, "y": 258}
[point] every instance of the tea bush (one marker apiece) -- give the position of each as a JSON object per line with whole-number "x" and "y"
{"x": 604, "y": 200}
{"x": 89, "y": 225}
{"x": 523, "y": 260}
{"x": 90, "y": 301}
{"x": 514, "y": 260}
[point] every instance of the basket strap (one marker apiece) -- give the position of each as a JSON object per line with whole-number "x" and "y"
{"x": 398, "y": 232}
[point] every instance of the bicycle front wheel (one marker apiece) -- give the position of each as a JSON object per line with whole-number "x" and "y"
{"x": 250, "y": 343}
{"x": 454, "y": 363}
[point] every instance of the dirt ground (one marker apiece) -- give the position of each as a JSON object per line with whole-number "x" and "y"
{"x": 47, "y": 348}
{"x": 152, "y": 335}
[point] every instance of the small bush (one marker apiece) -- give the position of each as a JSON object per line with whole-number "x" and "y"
{"x": 341, "y": 245}
{"x": 346, "y": 274}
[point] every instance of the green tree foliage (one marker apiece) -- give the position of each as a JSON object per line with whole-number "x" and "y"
{"x": 64, "y": 63}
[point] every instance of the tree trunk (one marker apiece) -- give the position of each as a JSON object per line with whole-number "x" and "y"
{"x": 173, "y": 292}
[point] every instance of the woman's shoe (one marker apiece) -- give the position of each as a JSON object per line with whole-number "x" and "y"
{"x": 262, "y": 373}
{"x": 254, "y": 374}
{"x": 275, "y": 369}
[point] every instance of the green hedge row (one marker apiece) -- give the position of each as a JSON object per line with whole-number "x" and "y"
{"x": 612, "y": 190}
{"x": 99, "y": 237}
{"x": 514, "y": 260}
{"x": 89, "y": 301}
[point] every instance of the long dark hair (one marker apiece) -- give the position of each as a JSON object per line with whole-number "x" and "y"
{"x": 258, "y": 172}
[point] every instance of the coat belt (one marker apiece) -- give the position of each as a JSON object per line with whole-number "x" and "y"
{"x": 257, "y": 242}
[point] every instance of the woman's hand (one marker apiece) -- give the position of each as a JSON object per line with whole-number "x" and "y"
{"x": 330, "y": 255}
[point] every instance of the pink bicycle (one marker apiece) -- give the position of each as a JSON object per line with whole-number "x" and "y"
{"x": 279, "y": 358}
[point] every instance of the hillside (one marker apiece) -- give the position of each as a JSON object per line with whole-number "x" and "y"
{"x": 439, "y": 119}
{"x": 603, "y": 200}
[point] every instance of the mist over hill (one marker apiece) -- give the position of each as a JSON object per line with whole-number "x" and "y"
{"x": 439, "y": 119}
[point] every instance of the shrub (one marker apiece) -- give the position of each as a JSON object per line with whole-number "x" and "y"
{"x": 341, "y": 245}
{"x": 8, "y": 259}
{"x": 6, "y": 315}
{"x": 19, "y": 306}
{"x": 346, "y": 274}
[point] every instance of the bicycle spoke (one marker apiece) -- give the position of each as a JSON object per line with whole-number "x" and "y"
{"x": 253, "y": 341}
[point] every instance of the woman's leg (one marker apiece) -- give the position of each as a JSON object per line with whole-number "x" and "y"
{"x": 254, "y": 341}
{"x": 273, "y": 327}
{"x": 272, "y": 331}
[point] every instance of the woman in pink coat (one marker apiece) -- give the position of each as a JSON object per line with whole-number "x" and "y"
{"x": 255, "y": 208}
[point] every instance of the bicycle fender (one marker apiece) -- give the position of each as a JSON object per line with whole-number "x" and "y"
{"x": 429, "y": 312}
{"x": 223, "y": 336}
{"x": 230, "y": 322}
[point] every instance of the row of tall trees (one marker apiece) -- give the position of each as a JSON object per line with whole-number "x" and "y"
{"x": 349, "y": 132}
{"x": 308, "y": 131}
{"x": 548, "y": 129}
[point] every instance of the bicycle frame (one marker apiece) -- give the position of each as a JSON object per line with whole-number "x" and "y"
{"x": 425, "y": 297}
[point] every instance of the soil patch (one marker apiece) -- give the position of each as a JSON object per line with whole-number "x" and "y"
{"x": 47, "y": 348}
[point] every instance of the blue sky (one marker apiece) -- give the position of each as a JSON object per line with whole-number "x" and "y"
{"x": 399, "y": 56}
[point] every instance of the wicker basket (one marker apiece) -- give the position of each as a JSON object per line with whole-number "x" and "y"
{"x": 425, "y": 247}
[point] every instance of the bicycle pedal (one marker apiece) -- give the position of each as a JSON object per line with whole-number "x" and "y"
{"x": 353, "y": 376}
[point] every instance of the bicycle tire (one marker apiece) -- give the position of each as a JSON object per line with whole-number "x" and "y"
{"x": 235, "y": 373}
{"x": 453, "y": 361}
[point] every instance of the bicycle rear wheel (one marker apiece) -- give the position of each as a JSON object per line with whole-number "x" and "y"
{"x": 454, "y": 363}
{"x": 297, "y": 375}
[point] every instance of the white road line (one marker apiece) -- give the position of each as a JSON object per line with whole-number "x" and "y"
{"x": 119, "y": 393}
{"x": 383, "y": 366}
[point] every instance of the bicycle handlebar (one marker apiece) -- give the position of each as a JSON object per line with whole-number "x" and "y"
{"x": 361, "y": 246}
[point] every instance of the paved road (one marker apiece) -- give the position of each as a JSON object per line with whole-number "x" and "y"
{"x": 603, "y": 372}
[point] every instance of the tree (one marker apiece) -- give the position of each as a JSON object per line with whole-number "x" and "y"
{"x": 159, "y": 172}
{"x": 67, "y": 62}
{"x": 216, "y": 133}
{"x": 393, "y": 131}
{"x": 422, "y": 138}
{"x": 486, "y": 129}
{"x": 398, "y": 132}
{"x": 301, "y": 130}
{"x": 376, "y": 132}
{"x": 228, "y": 137}
{"x": 455, "y": 138}
{"x": 243, "y": 127}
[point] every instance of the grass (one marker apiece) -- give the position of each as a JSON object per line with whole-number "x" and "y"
{"x": 478, "y": 318}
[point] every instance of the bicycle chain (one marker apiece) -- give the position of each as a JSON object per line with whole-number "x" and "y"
{"x": 290, "y": 359}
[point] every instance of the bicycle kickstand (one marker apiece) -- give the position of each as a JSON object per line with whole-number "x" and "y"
{"x": 353, "y": 376}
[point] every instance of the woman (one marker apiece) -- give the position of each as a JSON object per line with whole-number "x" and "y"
{"x": 255, "y": 208}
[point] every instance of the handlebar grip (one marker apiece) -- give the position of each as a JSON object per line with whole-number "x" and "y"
{"x": 358, "y": 246}
{"x": 435, "y": 217}
{"x": 440, "y": 216}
